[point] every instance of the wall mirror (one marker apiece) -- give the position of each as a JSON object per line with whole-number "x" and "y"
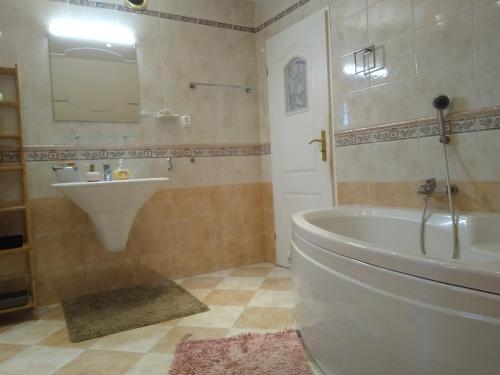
{"x": 93, "y": 80}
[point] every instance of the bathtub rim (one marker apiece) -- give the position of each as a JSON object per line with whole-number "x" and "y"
{"x": 468, "y": 275}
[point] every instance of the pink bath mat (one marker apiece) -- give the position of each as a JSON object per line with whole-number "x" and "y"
{"x": 249, "y": 354}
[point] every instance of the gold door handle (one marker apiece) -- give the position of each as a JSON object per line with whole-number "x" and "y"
{"x": 314, "y": 140}
{"x": 323, "y": 144}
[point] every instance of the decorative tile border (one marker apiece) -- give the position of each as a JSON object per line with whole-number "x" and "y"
{"x": 280, "y": 15}
{"x": 158, "y": 14}
{"x": 9, "y": 154}
{"x": 179, "y": 18}
{"x": 96, "y": 152}
{"x": 478, "y": 120}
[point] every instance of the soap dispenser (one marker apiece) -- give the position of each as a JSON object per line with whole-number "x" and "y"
{"x": 121, "y": 173}
{"x": 92, "y": 175}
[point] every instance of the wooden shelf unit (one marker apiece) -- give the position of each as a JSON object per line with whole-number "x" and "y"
{"x": 8, "y": 71}
{"x": 29, "y": 305}
{"x": 15, "y": 250}
{"x": 19, "y": 167}
{"x": 15, "y": 208}
{"x": 7, "y": 104}
{"x": 9, "y": 167}
{"x": 9, "y": 136}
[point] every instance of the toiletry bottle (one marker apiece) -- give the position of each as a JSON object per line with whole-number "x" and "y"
{"x": 92, "y": 175}
{"x": 106, "y": 168}
{"x": 121, "y": 173}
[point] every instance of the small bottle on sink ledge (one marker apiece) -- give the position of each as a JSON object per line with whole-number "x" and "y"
{"x": 92, "y": 175}
{"x": 121, "y": 173}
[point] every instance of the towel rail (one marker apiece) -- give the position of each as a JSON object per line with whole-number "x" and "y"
{"x": 193, "y": 85}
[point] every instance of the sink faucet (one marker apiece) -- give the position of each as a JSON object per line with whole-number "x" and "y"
{"x": 66, "y": 165}
{"x": 106, "y": 169}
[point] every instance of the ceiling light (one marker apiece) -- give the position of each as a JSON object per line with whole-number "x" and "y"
{"x": 99, "y": 31}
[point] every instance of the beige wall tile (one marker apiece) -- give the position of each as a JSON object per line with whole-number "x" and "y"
{"x": 221, "y": 55}
{"x": 489, "y": 149}
{"x": 487, "y": 75}
{"x": 354, "y": 163}
{"x": 344, "y": 77}
{"x": 399, "y": 194}
{"x": 265, "y": 9}
{"x": 345, "y": 8}
{"x": 393, "y": 101}
{"x": 468, "y": 197}
{"x": 472, "y": 196}
{"x": 352, "y": 110}
{"x": 355, "y": 193}
{"x": 389, "y": 19}
{"x": 488, "y": 196}
{"x": 486, "y": 21}
{"x": 108, "y": 275}
{"x": 462, "y": 157}
{"x": 431, "y": 11}
{"x": 395, "y": 59}
{"x": 445, "y": 43}
{"x": 446, "y": 33}
{"x": 446, "y": 81}
{"x": 349, "y": 34}
{"x": 58, "y": 283}
{"x": 12, "y": 264}
{"x": 396, "y": 161}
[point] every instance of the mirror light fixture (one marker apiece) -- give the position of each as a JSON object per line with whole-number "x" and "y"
{"x": 99, "y": 31}
{"x": 136, "y": 4}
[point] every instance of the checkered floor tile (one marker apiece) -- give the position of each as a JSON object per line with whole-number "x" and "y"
{"x": 255, "y": 298}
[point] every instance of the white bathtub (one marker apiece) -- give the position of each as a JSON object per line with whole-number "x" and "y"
{"x": 369, "y": 303}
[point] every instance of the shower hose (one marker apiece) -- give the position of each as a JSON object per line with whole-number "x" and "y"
{"x": 450, "y": 203}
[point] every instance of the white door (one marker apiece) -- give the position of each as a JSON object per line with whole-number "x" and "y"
{"x": 299, "y": 110}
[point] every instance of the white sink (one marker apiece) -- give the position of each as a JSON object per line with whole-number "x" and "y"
{"x": 112, "y": 205}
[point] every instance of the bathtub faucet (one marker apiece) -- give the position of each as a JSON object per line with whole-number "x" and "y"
{"x": 430, "y": 186}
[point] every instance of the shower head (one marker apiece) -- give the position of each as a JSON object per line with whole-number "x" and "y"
{"x": 441, "y": 102}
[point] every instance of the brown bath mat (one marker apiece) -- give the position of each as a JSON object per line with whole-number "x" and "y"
{"x": 101, "y": 314}
{"x": 249, "y": 354}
